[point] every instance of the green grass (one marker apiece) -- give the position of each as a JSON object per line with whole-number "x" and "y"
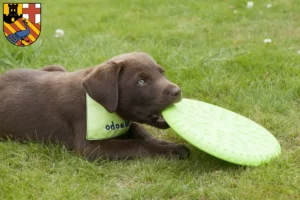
{"x": 213, "y": 54}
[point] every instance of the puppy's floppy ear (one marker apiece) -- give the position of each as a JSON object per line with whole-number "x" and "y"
{"x": 102, "y": 84}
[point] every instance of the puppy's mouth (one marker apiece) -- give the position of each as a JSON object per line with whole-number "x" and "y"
{"x": 159, "y": 121}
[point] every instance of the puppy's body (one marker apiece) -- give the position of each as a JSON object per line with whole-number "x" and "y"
{"x": 40, "y": 105}
{"x": 49, "y": 105}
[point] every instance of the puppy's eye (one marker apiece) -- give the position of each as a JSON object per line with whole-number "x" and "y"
{"x": 141, "y": 82}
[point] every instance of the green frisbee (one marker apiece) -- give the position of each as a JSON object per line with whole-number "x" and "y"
{"x": 222, "y": 133}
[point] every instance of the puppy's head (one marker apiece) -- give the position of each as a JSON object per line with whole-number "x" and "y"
{"x": 133, "y": 85}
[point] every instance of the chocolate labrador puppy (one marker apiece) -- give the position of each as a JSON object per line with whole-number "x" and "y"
{"x": 49, "y": 104}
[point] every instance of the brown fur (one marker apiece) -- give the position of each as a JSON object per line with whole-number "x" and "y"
{"x": 49, "y": 105}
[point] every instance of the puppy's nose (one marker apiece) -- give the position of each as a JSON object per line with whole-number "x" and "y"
{"x": 175, "y": 92}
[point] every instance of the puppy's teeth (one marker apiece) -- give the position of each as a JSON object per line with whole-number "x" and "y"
{"x": 160, "y": 119}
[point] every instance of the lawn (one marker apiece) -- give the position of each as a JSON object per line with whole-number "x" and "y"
{"x": 214, "y": 50}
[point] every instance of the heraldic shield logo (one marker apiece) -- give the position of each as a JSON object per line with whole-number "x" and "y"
{"x": 22, "y": 22}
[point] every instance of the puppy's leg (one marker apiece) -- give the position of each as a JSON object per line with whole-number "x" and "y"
{"x": 128, "y": 149}
{"x": 124, "y": 148}
{"x": 137, "y": 131}
{"x": 53, "y": 68}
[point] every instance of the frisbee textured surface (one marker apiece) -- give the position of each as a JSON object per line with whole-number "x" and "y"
{"x": 222, "y": 133}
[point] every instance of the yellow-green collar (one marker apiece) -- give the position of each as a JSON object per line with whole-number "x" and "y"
{"x": 102, "y": 124}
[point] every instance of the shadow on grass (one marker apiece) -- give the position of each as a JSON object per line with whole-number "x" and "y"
{"x": 201, "y": 162}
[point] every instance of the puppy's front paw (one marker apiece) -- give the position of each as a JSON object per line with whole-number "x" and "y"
{"x": 180, "y": 151}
